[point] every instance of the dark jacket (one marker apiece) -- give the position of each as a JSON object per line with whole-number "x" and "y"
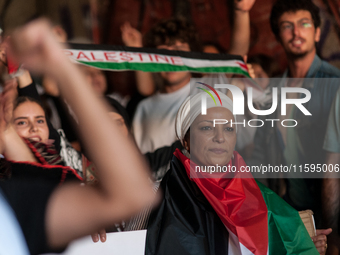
{"x": 184, "y": 222}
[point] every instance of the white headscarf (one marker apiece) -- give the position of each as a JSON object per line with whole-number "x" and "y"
{"x": 191, "y": 108}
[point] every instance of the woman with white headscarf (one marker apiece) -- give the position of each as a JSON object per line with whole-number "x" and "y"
{"x": 211, "y": 210}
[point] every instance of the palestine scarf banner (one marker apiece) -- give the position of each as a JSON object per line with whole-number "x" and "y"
{"x": 120, "y": 58}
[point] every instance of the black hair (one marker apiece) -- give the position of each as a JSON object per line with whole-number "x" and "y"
{"x": 282, "y": 6}
{"x": 166, "y": 32}
{"x": 118, "y": 108}
{"x": 23, "y": 99}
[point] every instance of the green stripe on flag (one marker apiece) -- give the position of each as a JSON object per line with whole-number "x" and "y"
{"x": 119, "y": 58}
{"x": 287, "y": 233}
{"x": 160, "y": 67}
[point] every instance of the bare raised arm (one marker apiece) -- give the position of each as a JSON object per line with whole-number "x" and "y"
{"x": 133, "y": 38}
{"x": 240, "y": 36}
{"x": 124, "y": 188}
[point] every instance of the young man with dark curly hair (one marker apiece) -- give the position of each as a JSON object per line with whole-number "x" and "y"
{"x": 296, "y": 25}
{"x": 154, "y": 119}
{"x": 174, "y": 34}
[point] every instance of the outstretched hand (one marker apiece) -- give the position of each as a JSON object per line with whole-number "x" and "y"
{"x": 244, "y": 5}
{"x": 131, "y": 36}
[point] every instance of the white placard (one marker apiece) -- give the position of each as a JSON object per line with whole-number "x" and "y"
{"x": 119, "y": 243}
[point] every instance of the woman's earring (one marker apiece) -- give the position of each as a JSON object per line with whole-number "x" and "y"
{"x": 232, "y": 156}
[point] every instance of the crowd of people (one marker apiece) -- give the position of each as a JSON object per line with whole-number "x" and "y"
{"x": 78, "y": 161}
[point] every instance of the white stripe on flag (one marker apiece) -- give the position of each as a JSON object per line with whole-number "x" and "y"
{"x": 235, "y": 247}
{"x": 141, "y": 57}
{"x": 208, "y": 63}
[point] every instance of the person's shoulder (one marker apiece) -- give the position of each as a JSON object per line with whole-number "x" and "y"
{"x": 328, "y": 71}
{"x": 149, "y": 101}
{"x": 146, "y": 105}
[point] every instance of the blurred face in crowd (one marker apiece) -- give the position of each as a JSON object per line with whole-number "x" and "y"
{"x": 176, "y": 78}
{"x": 119, "y": 121}
{"x": 298, "y": 34}
{"x": 96, "y": 78}
{"x": 209, "y": 145}
{"x": 29, "y": 121}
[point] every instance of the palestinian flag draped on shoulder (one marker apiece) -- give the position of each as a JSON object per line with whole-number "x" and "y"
{"x": 235, "y": 216}
{"x": 120, "y": 58}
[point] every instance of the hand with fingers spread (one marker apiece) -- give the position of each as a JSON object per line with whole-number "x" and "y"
{"x": 99, "y": 235}
{"x": 320, "y": 240}
{"x": 131, "y": 36}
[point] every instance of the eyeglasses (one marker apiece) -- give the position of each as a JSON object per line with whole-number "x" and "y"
{"x": 287, "y": 26}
